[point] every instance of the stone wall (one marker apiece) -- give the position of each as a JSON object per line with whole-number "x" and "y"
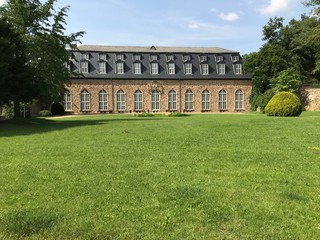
{"x": 94, "y": 86}
{"x": 313, "y": 98}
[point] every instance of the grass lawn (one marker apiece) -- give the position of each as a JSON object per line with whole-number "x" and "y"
{"x": 237, "y": 176}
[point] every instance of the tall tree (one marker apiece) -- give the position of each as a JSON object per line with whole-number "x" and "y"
{"x": 41, "y": 29}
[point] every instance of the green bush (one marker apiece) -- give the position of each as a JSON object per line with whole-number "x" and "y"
{"x": 45, "y": 113}
{"x": 264, "y": 99}
{"x": 284, "y": 104}
{"x": 57, "y": 109}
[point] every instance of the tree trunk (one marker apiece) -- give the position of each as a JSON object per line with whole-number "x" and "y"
{"x": 16, "y": 104}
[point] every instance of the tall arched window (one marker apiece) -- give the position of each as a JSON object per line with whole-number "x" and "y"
{"x": 138, "y": 101}
{"x": 189, "y": 100}
{"x": 155, "y": 100}
{"x": 172, "y": 100}
{"x": 222, "y": 100}
{"x": 121, "y": 100}
{"x": 205, "y": 100}
{"x": 239, "y": 100}
{"x": 103, "y": 100}
{"x": 67, "y": 102}
{"x": 85, "y": 100}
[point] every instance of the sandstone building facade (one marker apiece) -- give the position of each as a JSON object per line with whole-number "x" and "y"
{"x": 156, "y": 79}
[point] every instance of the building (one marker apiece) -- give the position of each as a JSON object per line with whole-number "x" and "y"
{"x": 156, "y": 79}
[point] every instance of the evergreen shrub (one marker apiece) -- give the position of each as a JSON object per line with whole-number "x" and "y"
{"x": 44, "y": 113}
{"x": 284, "y": 104}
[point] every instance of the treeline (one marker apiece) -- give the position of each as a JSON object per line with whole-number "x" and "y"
{"x": 289, "y": 59}
{"x": 33, "y": 53}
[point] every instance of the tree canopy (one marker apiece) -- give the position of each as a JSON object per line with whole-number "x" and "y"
{"x": 39, "y": 27}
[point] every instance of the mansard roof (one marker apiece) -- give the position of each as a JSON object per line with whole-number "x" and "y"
{"x": 153, "y": 49}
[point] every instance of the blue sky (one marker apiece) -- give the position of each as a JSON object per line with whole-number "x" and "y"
{"x": 231, "y": 24}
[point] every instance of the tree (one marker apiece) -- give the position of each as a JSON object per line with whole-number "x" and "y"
{"x": 288, "y": 80}
{"x": 41, "y": 30}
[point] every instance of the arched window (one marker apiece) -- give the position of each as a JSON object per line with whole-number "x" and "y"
{"x": 189, "y": 100}
{"x": 138, "y": 101}
{"x": 205, "y": 100}
{"x": 121, "y": 100}
{"x": 103, "y": 100}
{"x": 239, "y": 100}
{"x": 172, "y": 100}
{"x": 67, "y": 102}
{"x": 85, "y": 100}
{"x": 222, "y": 100}
{"x": 155, "y": 100}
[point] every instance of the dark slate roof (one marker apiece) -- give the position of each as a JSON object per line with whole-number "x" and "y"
{"x": 161, "y": 52}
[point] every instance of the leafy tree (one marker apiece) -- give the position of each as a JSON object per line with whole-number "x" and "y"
{"x": 41, "y": 30}
{"x": 288, "y": 80}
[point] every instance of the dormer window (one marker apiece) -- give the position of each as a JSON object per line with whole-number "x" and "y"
{"x": 154, "y": 68}
{"x": 85, "y": 56}
{"x": 204, "y": 69}
{"x": 219, "y": 58}
{"x": 119, "y": 68}
{"x": 235, "y": 58}
{"x": 186, "y": 58}
{"x": 120, "y": 57}
{"x": 102, "y": 67}
{"x": 170, "y": 58}
{"x": 136, "y": 57}
{"x": 154, "y": 58}
{"x": 137, "y": 68}
{"x": 221, "y": 68}
{"x": 102, "y": 57}
{"x": 188, "y": 68}
{"x": 84, "y": 67}
{"x": 203, "y": 58}
{"x": 171, "y": 68}
{"x": 238, "y": 68}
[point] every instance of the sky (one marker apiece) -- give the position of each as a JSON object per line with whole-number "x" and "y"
{"x": 231, "y": 24}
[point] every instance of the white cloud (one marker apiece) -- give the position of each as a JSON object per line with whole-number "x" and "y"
{"x": 230, "y": 16}
{"x": 213, "y": 10}
{"x": 275, "y": 6}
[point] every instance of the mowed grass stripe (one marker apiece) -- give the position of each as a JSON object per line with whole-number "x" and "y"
{"x": 223, "y": 176}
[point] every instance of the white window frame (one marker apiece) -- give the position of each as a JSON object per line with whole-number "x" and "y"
{"x": 136, "y": 57}
{"x": 186, "y": 58}
{"x": 205, "y": 100}
{"x": 172, "y": 100}
{"x": 219, "y": 58}
{"x": 170, "y": 58}
{"x": 102, "y": 57}
{"x": 189, "y": 100}
{"x": 205, "y": 69}
{"x": 222, "y": 100}
{"x": 85, "y": 56}
{"x": 188, "y": 68}
{"x": 137, "y": 68}
{"x": 235, "y": 58}
{"x": 85, "y": 100}
{"x": 103, "y": 100}
{"x": 102, "y": 67}
{"x": 120, "y": 57}
{"x": 155, "y": 100}
{"x": 121, "y": 100}
{"x": 153, "y": 57}
{"x": 138, "y": 101}
{"x": 203, "y": 58}
{"x": 171, "y": 69}
{"x": 238, "y": 68}
{"x": 119, "y": 67}
{"x": 84, "y": 66}
{"x": 239, "y": 100}
{"x": 221, "y": 68}
{"x": 154, "y": 68}
{"x": 67, "y": 101}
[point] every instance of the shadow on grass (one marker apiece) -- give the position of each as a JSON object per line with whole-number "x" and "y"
{"x": 24, "y": 223}
{"x": 29, "y": 126}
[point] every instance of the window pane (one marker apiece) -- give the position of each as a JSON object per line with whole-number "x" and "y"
{"x": 239, "y": 100}
{"x": 138, "y": 100}
{"x": 154, "y": 68}
{"x": 172, "y": 100}
{"x": 222, "y": 100}
{"x": 205, "y": 100}
{"x": 103, "y": 101}
{"x": 67, "y": 104}
{"x": 189, "y": 100}
{"x": 121, "y": 104}
{"x": 85, "y": 101}
{"x": 155, "y": 101}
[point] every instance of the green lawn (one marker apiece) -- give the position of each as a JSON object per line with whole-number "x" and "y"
{"x": 237, "y": 176}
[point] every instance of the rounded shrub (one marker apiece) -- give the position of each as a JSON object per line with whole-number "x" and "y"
{"x": 284, "y": 104}
{"x": 45, "y": 113}
{"x": 57, "y": 109}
